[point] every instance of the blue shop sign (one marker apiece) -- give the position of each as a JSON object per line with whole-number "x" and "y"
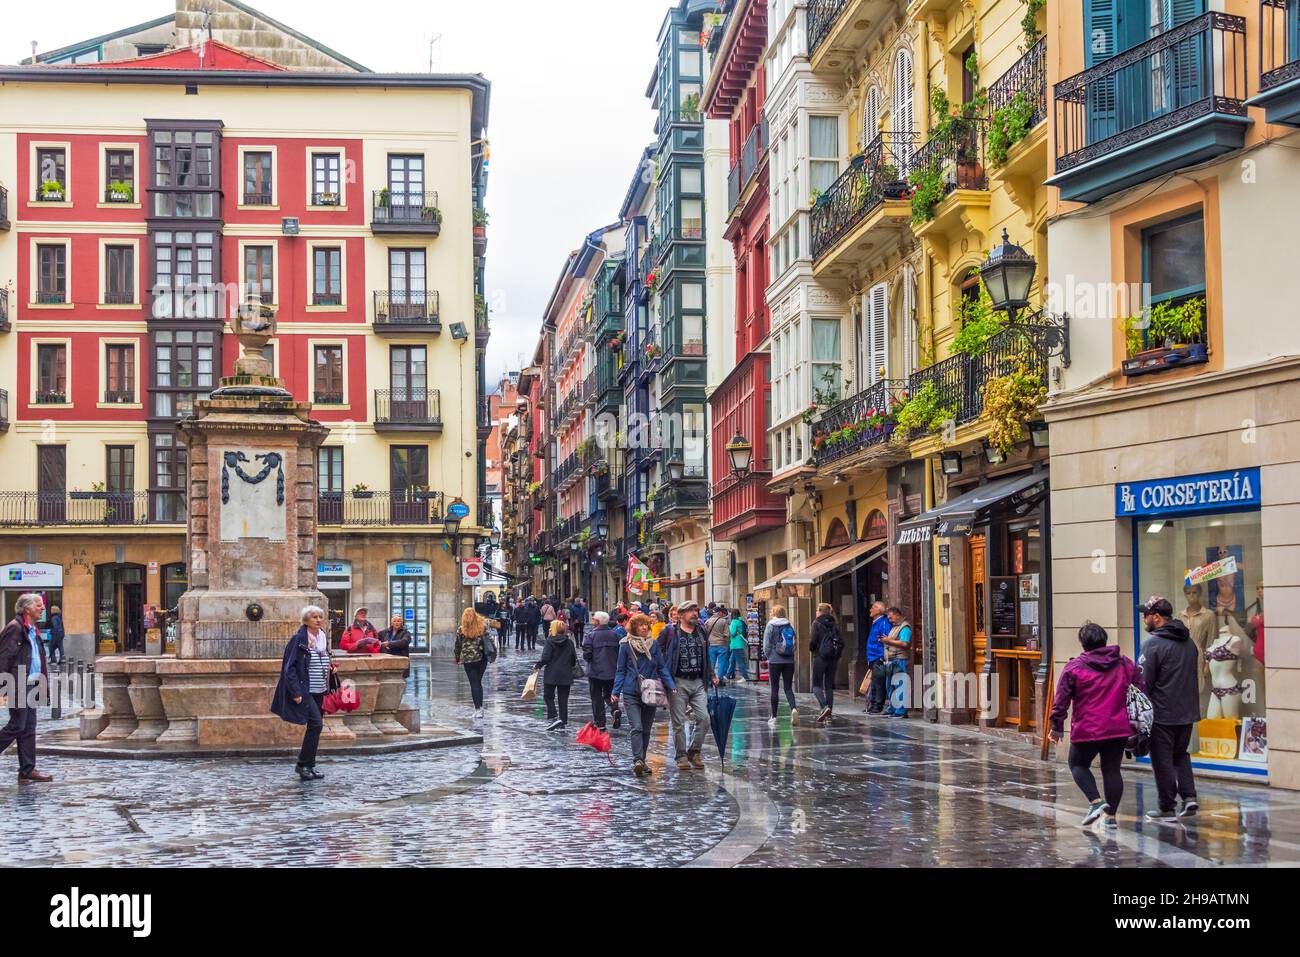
{"x": 1233, "y": 491}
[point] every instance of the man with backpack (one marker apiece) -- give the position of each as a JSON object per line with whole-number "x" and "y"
{"x": 689, "y": 663}
{"x": 898, "y": 657}
{"x": 718, "y": 630}
{"x": 827, "y": 645}
{"x": 1170, "y": 664}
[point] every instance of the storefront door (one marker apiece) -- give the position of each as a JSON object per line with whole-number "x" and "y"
{"x": 976, "y": 626}
{"x": 119, "y": 606}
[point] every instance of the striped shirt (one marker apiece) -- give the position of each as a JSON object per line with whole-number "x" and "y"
{"x": 318, "y": 672}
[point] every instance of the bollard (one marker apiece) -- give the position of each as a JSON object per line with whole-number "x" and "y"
{"x": 89, "y": 696}
{"x": 81, "y": 678}
{"x": 56, "y": 692}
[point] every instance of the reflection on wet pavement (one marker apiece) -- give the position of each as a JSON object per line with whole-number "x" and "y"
{"x": 874, "y": 792}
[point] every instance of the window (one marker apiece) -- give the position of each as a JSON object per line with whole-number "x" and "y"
{"x": 408, "y": 468}
{"x": 52, "y": 273}
{"x": 119, "y": 363}
{"x": 51, "y": 169}
{"x": 406, "y": 181}
{"x": 185, "y": 173}
{"x": 257, "y": 179}
{"x": 327, "y": 276}
{"x": 968, "y": 78}
{"x": 258, "y": 272}
{"x": 119, "y": 469}
{"x": 692, "y": 219}
{"x": 326, "y": 187}
{"x": 692, "y": 335}
{"x": 408, "y": 372}
{"x": 689, "y": 62}
{"x": 329, "y": 468}
{"x": 51, "y": 373}
{"x": 406, "y": 284}
{"x": 119, "y": 176}
{"x": 823, "y": 151}
{"x": 904, "y": 120}
{"x": 119, "y": 275}
{"x": 692, "y": 180}
{"x": 328, "y": 376}
{"x": 185, "y": 267}
{"x": 1173, "y": 269}
{"x": 169, "y": 467}
{"x": 184, "y": 364}
{"x": 826, "y": 359}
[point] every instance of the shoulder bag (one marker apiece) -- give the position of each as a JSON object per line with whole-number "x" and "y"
{"x": 649, "y": 690}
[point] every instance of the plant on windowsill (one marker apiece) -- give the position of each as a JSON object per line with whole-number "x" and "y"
{"x": 327, "y": 199}
{"x": 1008, "y": 125}
{"x": 923, "y": 412}
{"x": 1010, "y": 403}
{"x": 420, "y": 493}
{"x": 361, "y": 490}
{"x": 652, "y": 281}
{"x": 480, "y": 220}
{"x": 119, "y": 192}
{"x": 51, "y": 398}
{"x": 51, "y": 191}
{"x": 1173, "y": 328}
{"x": 809, "y": 415}
{"x": 652, "y": 350}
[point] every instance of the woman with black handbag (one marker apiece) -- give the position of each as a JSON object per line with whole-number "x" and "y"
{"x": 642, "y": 682}
{"x": 304, "y": 679}
{"x": 474, "y": 650}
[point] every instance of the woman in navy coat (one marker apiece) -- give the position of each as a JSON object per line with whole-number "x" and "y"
{"x": 304, "y": 679}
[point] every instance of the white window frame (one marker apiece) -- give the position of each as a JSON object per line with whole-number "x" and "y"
{"x": 34, "y": 173}
{"x": 342, "y": 154}
{"x": 34, "y": 366}
{"x": 275, "y": 265}
{"x": 103, "y": 176}
{"x": 34, "y": 271}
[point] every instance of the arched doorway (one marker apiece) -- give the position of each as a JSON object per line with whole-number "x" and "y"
{"x": 119, "y": 607}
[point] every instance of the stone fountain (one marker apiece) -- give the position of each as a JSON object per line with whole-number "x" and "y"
{"x": 251, "y": 542}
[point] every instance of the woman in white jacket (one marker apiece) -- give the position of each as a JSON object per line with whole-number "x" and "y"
{"x": 780, "y": 661}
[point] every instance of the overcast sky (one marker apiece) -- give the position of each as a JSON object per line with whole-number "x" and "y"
{"x": 568, "y": 124}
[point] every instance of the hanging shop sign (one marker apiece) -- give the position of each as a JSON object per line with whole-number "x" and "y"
{"x": 1209, "y": 492}
{"x": 915, "y": 534}
{"x": 333, "y": 574}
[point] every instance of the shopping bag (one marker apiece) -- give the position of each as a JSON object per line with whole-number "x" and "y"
{"x": 330, "y": 703}
{"x": 349, "y": 699}
{"x": 865, "y": 687}
{"x": 530, "y": 687}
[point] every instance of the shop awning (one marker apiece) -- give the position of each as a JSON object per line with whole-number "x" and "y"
{"x": 823, "y": 563}
{"x": 957, "y": 517}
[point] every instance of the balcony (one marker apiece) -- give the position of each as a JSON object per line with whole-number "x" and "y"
{"x": 875, "y": 183}
{"x": 681, "y": 371}
{"x": 742, "y": 507}
{"x": 399, "y": 312}
{"x": 960, "y": 380}
{"x": 257, "y": 199}
{"x": 1168, "y": 103}
{"x": 394, "y": 212}
{"x": 408, "y": 410}
{"x": 744, "y": 172}
{"x": 838, "y": 30}
{"x": 4, "y": 209}
{"x": 1020, "y": 169}
{"x": 822, "y": 17}
{"x": 679, "y": 500}
{"x": 858, "y": 423}
{"x": 367, "y": 508}
{"x": 609, "y": 486}
{"x": 1279, "y": 64}
{"x": 566, "y": 472}
{"x": 77, "y": 509}
{"x": 956, "y": 157}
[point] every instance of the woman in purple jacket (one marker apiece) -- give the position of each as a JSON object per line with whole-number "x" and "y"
{"x": 1097, "y": 683}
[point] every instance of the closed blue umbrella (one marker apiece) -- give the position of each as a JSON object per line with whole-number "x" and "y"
{"x": 721, "y": 709}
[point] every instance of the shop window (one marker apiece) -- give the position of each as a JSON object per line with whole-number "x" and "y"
{"x": 1223, "y": 610}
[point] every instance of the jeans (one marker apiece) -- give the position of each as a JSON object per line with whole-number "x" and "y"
{"x": 689, "y": 704}
{"x": 718, "y": 659}
{"x": 475, "y": 674}
{"x": 1172, "y": 764}
{"x": 823, "y": 681}
{"x": 640, "y": 722}
{"x": 551, "y": 692}
{"x": 737, "y": 660}
{"x": 56, "y": 651}
{"x": 781, "y": 674}
{"x": 21, "y": 728}
{"x": 878, "y": 693}
{"x": 600, "y": 692}
{"x": 1082, "y": 754}
{"x": 311, "y": 737}
{"x": 897, "y": 666}
{"x": 520, "y": 637}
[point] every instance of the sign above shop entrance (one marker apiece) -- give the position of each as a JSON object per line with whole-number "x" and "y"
{"x": 31, "y": 575}
{"x": 1209, "y": 492}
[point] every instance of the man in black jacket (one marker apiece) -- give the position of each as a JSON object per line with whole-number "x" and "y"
{"x": 1170, "y": 664}
{"x": 22, "y": 668}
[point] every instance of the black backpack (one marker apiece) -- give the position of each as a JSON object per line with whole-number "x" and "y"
{"x": 832, "y": 643}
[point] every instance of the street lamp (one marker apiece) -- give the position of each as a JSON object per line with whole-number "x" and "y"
{"x": 676, "y": 468}
{"x": 495, "y": 537}
{"x": 741, "y": 452}
{"x": 602, "y": 528}
{"x": 951, "y": 462}
{"x": 1008, "y": 273}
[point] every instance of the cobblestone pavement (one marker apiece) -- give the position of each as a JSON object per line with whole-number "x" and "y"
{"x": 863, "y": 792}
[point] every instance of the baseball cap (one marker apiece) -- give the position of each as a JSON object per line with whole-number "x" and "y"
{"x": 1157, "y": 605}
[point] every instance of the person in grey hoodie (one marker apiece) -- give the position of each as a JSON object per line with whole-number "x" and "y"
{"x": 780, "y": 662}
{"x": 1170, "y": 663}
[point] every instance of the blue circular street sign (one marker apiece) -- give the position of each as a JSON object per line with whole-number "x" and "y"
{"x": 458, "y": 510}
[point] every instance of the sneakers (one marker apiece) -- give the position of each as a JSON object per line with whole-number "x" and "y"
{"x": 1095, "y": 810}
{"x": 771, "y": 723}
{"x": 740, "y": 681}
{"x": 824, "y": 715}
{"x": 478, "y": 714}
{"x": 794, "y": 715}
{"x": 618, "y": 720}
{"x": 1162, "y": 817}
{"x": 1110, "y": 822}
{"x": 1190, "y": 808}
{"x": 899, "y": 714}
{"x": 697, "y": 760}
{"x": 556, "y": 725}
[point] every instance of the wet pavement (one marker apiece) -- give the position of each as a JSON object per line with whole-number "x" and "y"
{"x": 874, "y": 792}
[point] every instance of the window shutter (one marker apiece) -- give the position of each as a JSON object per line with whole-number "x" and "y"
{"x": 871, "y": 117}
{"x": 910, "y": 337}
{"x": 877, "y": 334}
{"x": 904, "y": 120}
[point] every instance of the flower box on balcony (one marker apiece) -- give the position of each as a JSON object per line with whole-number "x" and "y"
{"x": 1165, "y": 357}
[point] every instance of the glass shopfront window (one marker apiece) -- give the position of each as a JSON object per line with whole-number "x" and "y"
{"x": 1210, "y": 567}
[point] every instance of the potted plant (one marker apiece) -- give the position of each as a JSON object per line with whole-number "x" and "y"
{"x": 51, "y": 191}
{"x": 480, "y": 221}
{"x": 420, "y": 493}
{"x": 385, "y": 198}
{"x": 120, "y": 192}
{"x": 1010, "y": 402}
{"x": 361, "y": 490}
{"x": 431, "y": 214}
{"x": 652, "y": 350}
{"x": 652, "y": 281}
{"x": 1170, "y": 340}
{"x": 891, "y": 185}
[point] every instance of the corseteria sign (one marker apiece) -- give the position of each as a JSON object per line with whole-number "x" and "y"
{"x": 1212, "y": 491}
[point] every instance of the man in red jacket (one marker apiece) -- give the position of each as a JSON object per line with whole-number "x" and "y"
{"x": 361, "y": 637}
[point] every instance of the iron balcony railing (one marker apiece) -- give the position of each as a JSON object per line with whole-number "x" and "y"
{"x": 956, "y": 155}
{"x": 399, "y": 507}
{"x": 566, "y": 470}
{"x": 119, "y": 297}
{"x": 847, "y": 427}
{"x": 1028, "y": 76}
{"x": 1196, "y": 69}
{"x": 406, "y": 208}
{"x": 332, "y": 198}
{"x": 691, "y": 494}
{"x": 822, "y": 15}
{"x": 406, "y": 307}
{"x": 1279, "y": 45}
{"x": 879, "y": 173}
{"x": 74, "y": 508}
{"x": 257, "y": 199}
{"x": 751, "y": 156}
{"x": 960, "y": 380}
{"x": 408, "y": 407}
{"x": 589, "y": 388}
